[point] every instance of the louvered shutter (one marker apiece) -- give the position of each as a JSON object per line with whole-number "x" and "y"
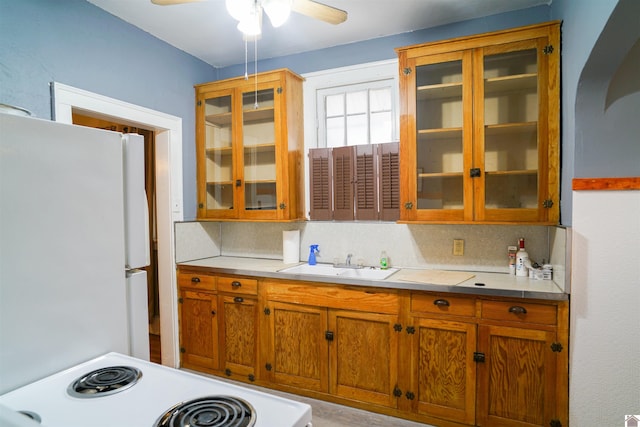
{"x": 389, "y": 167}
{"x": 320, "y": 184}
{"x": 342, "y": 183}
{"x": 366, "y": 192}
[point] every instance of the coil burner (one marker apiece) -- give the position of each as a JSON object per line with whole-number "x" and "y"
{"x": 104, "y": 381}
{"x": 210, "y": 411}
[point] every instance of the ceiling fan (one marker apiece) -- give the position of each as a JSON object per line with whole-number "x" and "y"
{"x": 249, "y": 12}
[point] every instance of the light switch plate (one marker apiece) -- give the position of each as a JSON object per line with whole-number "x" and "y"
{"x": 458, "y": 247}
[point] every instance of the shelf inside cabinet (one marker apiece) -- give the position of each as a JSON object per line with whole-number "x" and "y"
{"x": 516, "y": 82}
{"x": 510, "y": 128}
{"x": 222, "y": 119}
{"x": 439, "y": 91}
{"x": 259, "y": 148}
{"x": 512, "y": 172}
{"x": 440, "y": 175}
{"x": 258, "y": 114}
{"x": 223, "y": 151}
{"x": 440, "y": 133}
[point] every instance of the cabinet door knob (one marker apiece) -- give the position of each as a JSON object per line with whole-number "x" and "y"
{"x": 408, "y": 205}
{"x": 236, "y": 284}
{"x": 441, "y": 303}
{"x": 475, "y": 172}
{"x": 516, "y": 309}
{"x": 238, "y": 299}
{"x": 195, "y": 280}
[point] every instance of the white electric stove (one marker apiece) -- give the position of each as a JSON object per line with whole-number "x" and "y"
{"x": 118, "y": 390}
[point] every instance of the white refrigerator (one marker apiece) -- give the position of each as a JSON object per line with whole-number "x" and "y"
{"x": 73, "y": 235}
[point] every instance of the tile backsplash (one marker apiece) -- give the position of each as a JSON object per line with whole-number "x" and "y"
{"x": 407, "y": 245}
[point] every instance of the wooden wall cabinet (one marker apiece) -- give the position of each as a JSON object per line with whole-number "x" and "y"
{"x": 249, "y": 142}
{"x": 480, "y": 128}
{"x": 359, "y": 182}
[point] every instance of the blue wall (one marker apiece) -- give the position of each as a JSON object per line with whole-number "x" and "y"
{"x": 78, "y": 44}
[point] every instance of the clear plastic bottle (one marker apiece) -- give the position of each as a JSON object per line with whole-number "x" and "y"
{"x": 384, "y": 260}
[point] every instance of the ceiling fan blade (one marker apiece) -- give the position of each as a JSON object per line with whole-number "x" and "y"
{"x": 319, "y": 11}
{"x": 172, "y": 2}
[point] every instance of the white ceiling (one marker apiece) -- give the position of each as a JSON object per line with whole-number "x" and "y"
{"x": 206, "y": 31}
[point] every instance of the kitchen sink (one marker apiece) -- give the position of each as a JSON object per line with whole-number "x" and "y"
{"x": 365, "y": 273}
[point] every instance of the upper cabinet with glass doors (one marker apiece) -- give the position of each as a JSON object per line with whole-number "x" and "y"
{"x": 479, "y": 126}
{"x": 249, "y": 139}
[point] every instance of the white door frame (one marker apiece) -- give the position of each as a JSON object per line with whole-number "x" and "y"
{"x": 168, "y": 136}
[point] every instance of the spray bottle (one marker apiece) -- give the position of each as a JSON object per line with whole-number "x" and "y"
{"x": 522, "y": 260}
{"x": 312, "y": 254}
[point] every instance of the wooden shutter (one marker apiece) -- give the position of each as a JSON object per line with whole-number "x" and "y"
{"x": 366, "y": 192}
{"x": 343, "y": 183}
{"x": 389, "y": 167}
{"x": 320, "y": 184}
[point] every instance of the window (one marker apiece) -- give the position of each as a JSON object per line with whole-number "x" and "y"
{"x": 356, "y": 114}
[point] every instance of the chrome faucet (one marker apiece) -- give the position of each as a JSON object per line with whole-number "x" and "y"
{"x": 348, "y": 261}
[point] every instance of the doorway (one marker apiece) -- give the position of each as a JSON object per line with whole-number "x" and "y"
{"x": 153, "y": 300}
{"x": 168, "y": 158}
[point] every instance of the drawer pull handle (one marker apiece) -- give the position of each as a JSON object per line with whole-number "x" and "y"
{"x": 235, "y": 284}
{"x": 516, "y": 309}
{"x": 441, "y": 303}
{"x": 238, "y": 299}
{"x": 195, "y": 280}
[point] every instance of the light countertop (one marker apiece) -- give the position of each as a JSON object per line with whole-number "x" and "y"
{"x": 494, "y": 284}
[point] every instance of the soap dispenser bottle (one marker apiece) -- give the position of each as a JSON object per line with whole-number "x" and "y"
{"x": 312, "y": 254}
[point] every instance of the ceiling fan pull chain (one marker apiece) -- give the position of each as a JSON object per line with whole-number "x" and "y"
{"x": 255, "y": 46}
{"x": 246, "y": 60}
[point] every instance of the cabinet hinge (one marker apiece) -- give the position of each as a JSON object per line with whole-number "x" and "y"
{"x": 180, "y": 300}
{"x": 267, "y": 311}
{"x": 556, "y": 347}
{"x": 328, "y": 335}
{"x": 406, "y": 71}
{"x": 199, "y": 103}
{"x": 408, "y": 205}
{"x": 411, "y": 330}
{"x": 548, "y": 49}
{"x": 547, "y": 203}
{"x": 397, "y": 327}
{"x": 268, "y": 367}
{"x": 478, "y": 357}
{"x": 555, "y": 423}
{"x": 279, "y": 90}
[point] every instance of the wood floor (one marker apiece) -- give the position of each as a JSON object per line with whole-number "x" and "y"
{"x": 154, "y": 346}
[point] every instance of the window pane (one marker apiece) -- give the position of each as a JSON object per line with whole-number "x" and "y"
{"x": 335, "y": 105}
{"x": 380, "y": 127}
{"x": 380, "y": 99}
{"x": 335, "y": 132}
{"x": 357, "y": 129}
{"x": 357, "y": 102}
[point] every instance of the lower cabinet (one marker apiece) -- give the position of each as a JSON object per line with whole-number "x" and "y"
{"x": 437, "y": 358}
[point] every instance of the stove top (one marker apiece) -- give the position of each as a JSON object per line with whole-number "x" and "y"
{"x": 157, "y": 394}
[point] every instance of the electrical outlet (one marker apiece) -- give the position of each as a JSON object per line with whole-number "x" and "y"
{"x": 458, "y": 247}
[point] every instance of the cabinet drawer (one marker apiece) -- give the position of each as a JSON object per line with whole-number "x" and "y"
{"x": 443, "y": 304}
{"x": 196, "y": 281}
{"x": 238, "y": 285}
{"x": 520, "y": 312}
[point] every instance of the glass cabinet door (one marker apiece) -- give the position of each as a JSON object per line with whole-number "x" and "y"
{"x": 259, "y": 150}
{"x": 218, "y": 153}
{"x": 442, "y": 136}
{"x": 511, "y": 140}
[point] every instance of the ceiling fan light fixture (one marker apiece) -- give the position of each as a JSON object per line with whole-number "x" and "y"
{"x": 278, "y": 11}
{"x": 251, "y": 23}
{"x": 239, "y": 9}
